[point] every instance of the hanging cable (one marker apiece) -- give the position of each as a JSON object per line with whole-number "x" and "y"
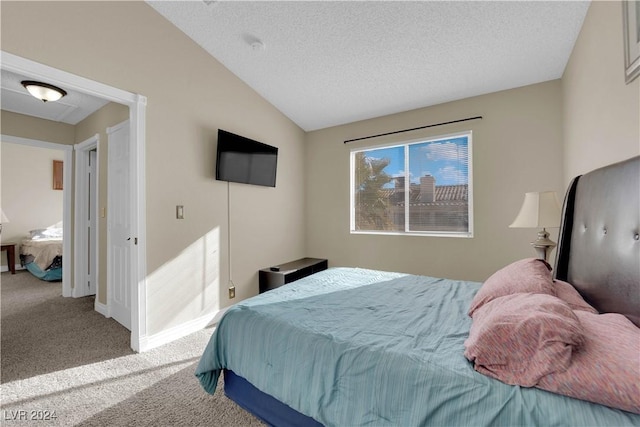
{"x": 229, "y": 230}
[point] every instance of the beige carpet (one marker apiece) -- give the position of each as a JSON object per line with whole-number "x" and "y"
{"x": 60, "y": 357}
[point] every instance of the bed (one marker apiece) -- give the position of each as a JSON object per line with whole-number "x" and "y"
{"x": 41, "y": 253}
{"x": 355, "y": 347}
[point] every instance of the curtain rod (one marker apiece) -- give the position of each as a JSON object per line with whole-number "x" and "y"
{"x": 408, "y": 130}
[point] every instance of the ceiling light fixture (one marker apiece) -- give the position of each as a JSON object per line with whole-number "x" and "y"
{"x": 43, "y": 91}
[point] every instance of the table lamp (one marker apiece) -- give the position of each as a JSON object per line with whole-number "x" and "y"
{"x": 3, "y": 219}
{"x": 539, "y": 210}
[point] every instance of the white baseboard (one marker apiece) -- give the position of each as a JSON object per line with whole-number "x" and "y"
{"x": 5, "y": 268}
{"x": 102, "y": 309}
{"x": 179, "y": 331}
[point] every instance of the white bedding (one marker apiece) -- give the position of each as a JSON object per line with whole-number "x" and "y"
{"x": 43, "y": 250}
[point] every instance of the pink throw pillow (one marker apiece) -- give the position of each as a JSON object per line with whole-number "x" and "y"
{"x": 518, "y": 339}
{"x": 567, "y": 293}
{"x": 528, "y": 275}
{"x": 606, "y": 370}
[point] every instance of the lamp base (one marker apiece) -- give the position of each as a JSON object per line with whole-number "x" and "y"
{"x": 543, "y": 245}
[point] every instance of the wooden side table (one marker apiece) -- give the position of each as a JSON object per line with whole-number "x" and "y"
{"x": 11, "y": 256}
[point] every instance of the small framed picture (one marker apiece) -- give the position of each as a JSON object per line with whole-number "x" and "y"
{"x": 57, "y": 174}
{"x": 631, "y": 26}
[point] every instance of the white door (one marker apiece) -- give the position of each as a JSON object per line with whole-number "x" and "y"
{"x": 86, "y": 213}
{"x": 119, "y": 238}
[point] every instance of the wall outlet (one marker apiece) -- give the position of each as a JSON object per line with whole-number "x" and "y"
{"x": 232, "y": 292}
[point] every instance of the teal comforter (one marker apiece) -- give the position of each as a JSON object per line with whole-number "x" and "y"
{"x": 354, "y": 347}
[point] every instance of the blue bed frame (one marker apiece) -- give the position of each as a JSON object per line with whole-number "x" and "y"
{"x": 267, "y": 408}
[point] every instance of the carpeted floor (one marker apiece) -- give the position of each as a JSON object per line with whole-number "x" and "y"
{"x": 61, "y": 358}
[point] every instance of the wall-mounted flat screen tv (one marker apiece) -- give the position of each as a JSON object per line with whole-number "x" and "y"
{"x": 244, "y": 160}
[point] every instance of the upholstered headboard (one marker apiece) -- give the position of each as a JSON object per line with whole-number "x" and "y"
{"x": 599, "y": 245}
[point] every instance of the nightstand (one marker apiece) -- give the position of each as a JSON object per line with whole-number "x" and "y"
{"x": 278, "y": 275}
{"x": 11, "y": 256}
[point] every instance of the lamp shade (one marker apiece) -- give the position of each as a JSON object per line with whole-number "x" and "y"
{"x": 539, "y": 209}
{"x": 3, "y": 217}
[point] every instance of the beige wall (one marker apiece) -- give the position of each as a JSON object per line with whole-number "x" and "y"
{"x": 532, "y": 138}
{"x": 517, "y": 147}
{"x": 28, "y": 197}
{"x": 190, "y": 95}
{"x": 97, "y": 123}
{"x": 601, "y": 113}
{"x": 34, "y": 128}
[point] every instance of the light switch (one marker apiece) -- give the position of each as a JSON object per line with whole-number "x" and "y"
{"x": 103, "y": 212}
{"x": 180, "y": 212}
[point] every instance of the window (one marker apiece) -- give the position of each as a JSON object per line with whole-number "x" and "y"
{"x": 419, "y": 187}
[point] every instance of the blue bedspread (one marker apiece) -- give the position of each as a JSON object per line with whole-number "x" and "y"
{"x": 354, "y": 347}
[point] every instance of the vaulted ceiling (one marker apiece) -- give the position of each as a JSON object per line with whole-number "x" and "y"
{"x": 326, "y": 63}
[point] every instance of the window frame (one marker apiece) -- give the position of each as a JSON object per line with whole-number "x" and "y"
{"x": 407, "y": 183}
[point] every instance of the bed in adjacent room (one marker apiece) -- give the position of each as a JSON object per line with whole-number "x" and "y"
{"x": 41, "y": 253}
{"x": 529, "y": 346}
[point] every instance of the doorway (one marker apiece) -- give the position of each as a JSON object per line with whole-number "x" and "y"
{"x": 86, "y": 223}
{"x": 136, "y": 277}
{"x": 67, "y": 151}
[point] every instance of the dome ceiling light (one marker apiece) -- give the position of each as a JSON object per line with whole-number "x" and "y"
{"x": 43, "y": 91}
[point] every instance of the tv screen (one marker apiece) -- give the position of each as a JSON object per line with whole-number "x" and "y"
{"x": 244, "y": 160}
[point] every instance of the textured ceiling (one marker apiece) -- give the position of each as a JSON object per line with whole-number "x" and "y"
{"x": 328, "y": 63}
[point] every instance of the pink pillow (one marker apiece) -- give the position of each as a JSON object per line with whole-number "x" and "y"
{"x": 606, "y": 370}
{"x": 520, "y": 338}
{"x": 528, "y": 275}
{"x": 567, "y": 293}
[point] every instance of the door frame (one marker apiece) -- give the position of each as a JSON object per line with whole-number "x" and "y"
{"x": 137, "y": 119}
{"x": 81, "y": 210}
{"x": 67, "y": 181}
